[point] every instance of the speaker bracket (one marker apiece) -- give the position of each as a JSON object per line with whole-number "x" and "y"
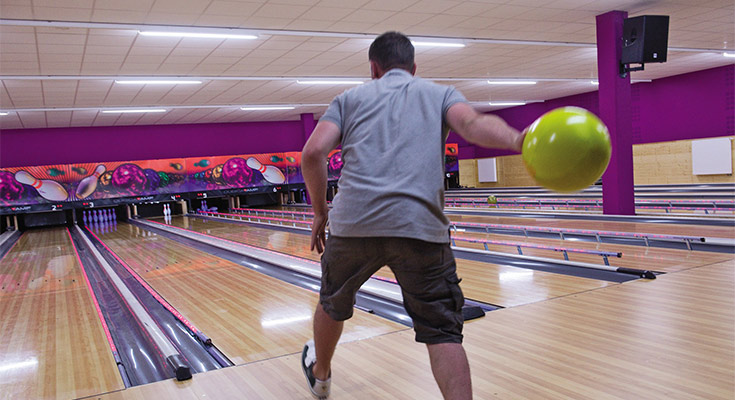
{"x": 625, "y": 68}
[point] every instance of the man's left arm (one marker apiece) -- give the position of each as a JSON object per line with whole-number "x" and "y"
{"x": 325, "y": 138}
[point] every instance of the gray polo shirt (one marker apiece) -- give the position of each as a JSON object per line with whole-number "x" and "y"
{"x": 393, "y": 135}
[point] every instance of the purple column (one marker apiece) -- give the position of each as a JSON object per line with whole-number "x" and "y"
{"x": 614, "y": 102}
{"x": 307, "y": 125}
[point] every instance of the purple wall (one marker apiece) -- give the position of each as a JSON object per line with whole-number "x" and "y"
{"x": 690, "y": 106}
{"x": 26, "y": 147}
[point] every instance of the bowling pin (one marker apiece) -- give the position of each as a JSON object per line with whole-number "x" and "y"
{"x": 48, "y": 189}
{"x": 271, "y": 173}
{"x": 89, "y": 184}
{"x": 84, "y": 216}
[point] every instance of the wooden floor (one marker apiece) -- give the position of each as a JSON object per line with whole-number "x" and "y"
{"x": 496, "y": 284}
{"x": 633, "y": 256}
{"x": 248, "y": 316}
{"x": 53, "y": 345}
{"x": 671, "y": 338}
{"x": 559, "y": 337}
{"x": 490, "y": 283}
{"x": 641, "y": 227}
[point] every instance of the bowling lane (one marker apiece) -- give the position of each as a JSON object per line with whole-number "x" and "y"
{"x": 638, "y": 257}
{"x": 53, "y": 344}
{"x": 273, "y": 239}
{"x": 248, "y": 315}
{"x": 596, "y": 225}
{"x": 491, "y": 283}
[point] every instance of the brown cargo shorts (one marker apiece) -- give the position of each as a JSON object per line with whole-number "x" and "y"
{"x": 425, "y": 271}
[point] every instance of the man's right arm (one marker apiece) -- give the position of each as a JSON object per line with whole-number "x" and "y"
{"x": 484, "y": 130}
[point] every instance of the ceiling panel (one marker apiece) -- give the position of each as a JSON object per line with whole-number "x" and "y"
{"x": 72, "y": 55}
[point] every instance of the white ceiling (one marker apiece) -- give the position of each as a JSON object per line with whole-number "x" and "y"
{"x": 71, "y": 68}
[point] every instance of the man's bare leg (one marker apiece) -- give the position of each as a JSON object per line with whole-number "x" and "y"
{"x": 326, "y": 336}
{"x": 451, "y": 370}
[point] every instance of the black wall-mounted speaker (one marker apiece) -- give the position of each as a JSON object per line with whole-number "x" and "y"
{"x": 645, "y": 39}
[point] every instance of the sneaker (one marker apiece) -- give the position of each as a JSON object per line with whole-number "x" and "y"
{"x": 320, "y": 389}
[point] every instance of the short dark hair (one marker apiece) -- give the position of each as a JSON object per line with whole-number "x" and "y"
{"x": 392, "y": 50}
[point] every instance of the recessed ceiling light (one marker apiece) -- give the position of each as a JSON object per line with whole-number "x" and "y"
{"x": 266, "y": 108}
{"x": 201, "y": 35}
{"x": 437, "y": 44}
{"x": 4, "y": 113}
{"x": 135, "y": 110}
{"x": 507, "y": 103}
{"x": 329, "y": 82}
{"x": 157, "y": 82}
{"x": 511, "y": 82}
{"x": 726, "y": 54}
{"x": 595, "y": 82}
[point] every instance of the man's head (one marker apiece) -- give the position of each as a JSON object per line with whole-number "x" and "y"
{"x": 391, "y": 50}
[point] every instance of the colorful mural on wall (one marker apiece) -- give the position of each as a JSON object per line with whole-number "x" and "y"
{"x": 451, "y": 155}
{"x": 105, "y": 180}
{"x": 108, "y": 180}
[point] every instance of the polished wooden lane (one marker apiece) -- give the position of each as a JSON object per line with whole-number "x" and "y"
{"x": 260, "y": 236}
{"x": 640, "y": 227}
{"x": 634, "y": 256}
{"x": 53, "y": 344}
{"x": 248, "y": 315}
{"x": 595, "y": 225}
{"x": 672, "y": 339}
{"x": 491, "y": 283}
{"x": 638, "y": 257}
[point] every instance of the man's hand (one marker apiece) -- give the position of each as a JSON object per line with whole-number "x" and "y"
{"x": 325, "y": 137}
{"x": 318, "y": 235}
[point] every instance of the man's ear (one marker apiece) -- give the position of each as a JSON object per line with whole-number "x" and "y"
{"x": 375, "y": 71}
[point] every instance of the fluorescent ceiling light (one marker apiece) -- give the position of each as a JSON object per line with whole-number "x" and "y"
{"x": 196, "y": 35}
{"x": 437, "y": 44}
{"x": 135, "y": 110}
{"x": 512, "y": 82}
{"x": 731, "y": 55}
{"x": 595, "y": 82}
{"x": 4, "y": 113}
{"x": 329, "y": 82}
{"x": 157, "y": 82}
{"x": 266, "y": 108}
{"x": 507, "y": 103}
